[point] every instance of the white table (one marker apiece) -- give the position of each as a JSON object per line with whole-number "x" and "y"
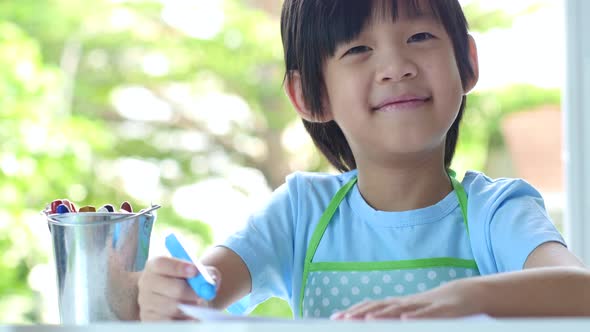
{"x": 504, "y": 325}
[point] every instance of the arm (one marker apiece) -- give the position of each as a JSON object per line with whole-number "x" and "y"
{"x": 263, "y": 249}
{"x": 554, "y": 283}
{"x": 520, "y": 235}
{"x": 236, "y": 283}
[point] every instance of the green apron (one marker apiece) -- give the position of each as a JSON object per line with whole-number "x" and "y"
{"x": 329, "y": 287}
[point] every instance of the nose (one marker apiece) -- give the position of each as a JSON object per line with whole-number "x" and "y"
{"x": 395, "y": 67}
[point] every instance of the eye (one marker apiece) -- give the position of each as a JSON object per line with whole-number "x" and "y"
{"x": 420, "y": 37}
{"x": 357, "y": 50}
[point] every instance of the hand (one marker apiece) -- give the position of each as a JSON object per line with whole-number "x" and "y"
{"x": 162, "y": 286}
{"x": 454, "y": 299}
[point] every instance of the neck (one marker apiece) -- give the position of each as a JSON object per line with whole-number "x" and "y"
{"x": 403, "y": 187}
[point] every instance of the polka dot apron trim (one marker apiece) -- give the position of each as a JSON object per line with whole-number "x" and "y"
{"x": 329, "y": 287}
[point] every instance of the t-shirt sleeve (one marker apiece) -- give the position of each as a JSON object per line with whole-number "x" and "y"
{"x": 510, "y": 222}
{"x": 265, "y": 245}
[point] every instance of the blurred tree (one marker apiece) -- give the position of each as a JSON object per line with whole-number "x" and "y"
{"x": 95, "y": 94}
{"x": 38, "y": 149}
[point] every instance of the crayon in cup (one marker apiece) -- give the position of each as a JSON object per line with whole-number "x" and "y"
{"x": 126, "y": 206}
{"x": 87, "y": 208}
{"x": 106, "y": 208}
{"x": 62, "y": 208}
{"x": 54, "y": 205}
{"x": 71, "y": 206}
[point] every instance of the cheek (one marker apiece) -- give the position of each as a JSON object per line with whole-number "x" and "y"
{"x": 447, "y": 81}
{"x": 344, "y": 89}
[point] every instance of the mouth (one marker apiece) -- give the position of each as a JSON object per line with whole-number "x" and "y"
{"x": 402, "y": 103}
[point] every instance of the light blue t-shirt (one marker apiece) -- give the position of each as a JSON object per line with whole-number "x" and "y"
{"x": 507, "y": 221}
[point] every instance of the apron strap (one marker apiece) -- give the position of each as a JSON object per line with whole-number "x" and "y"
{"x": 319, "y": 233}
{"x": 461, "y": 196}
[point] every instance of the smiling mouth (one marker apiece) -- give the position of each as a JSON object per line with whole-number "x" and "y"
{"x": 403, "y": 105}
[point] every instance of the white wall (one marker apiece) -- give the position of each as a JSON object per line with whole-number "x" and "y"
{"x": 577, "y": 128}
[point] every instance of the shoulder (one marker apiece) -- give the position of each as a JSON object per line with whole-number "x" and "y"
{"x": 306, "y": 191}
{"x": 479, "y": 183}
{"x": 507, "y": 221}
{"x": 483, "y": 191}
{"x": 499, "y": 201}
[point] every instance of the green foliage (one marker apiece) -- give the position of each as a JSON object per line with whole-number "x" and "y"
{"x": 483, "y": 20}
{"x": 25, "y": 87}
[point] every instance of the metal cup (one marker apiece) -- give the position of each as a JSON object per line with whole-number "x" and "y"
{"x": 97, "y": 257}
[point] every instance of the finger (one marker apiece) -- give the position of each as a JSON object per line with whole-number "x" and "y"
{"x": 358, "y": 305}
{"x": 430, "y": 311}
{"x": 163, "y": 305}
{"x": 187, "y": 318}
{"x": 153, "y": 316}
{"x": 150, "y": 316}
{"x": 363, "y": 306}
{"x": 342, "y": 314}
{"x": 174, "y": 288}
{"x": 156, "y": 316}
{"x": 359, "y": 312}
{"x": 215, "y": 274}
{"x": 171, "y": 267}
{"x": 393, "y": 311}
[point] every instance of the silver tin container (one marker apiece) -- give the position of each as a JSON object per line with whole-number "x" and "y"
{"x": 97, "y": 259}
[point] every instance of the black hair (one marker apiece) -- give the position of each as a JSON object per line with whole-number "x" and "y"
{"x": 311, "y": 30}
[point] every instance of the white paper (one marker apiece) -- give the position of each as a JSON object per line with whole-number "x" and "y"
{"x": 206, "y": 314}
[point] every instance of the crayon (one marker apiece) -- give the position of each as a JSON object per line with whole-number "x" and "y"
{"x": 87, "y": 208}
{"x": 62, "y": 208}
{"x": 107, "y": 207}
{"x": 203, "y": 284}
{"x": 71, "y": 207}
{"x": 54, "y": 205}
{"x": 127, "y": 207}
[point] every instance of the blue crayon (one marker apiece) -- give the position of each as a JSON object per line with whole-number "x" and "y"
{"x": 203, "y": 284}
{"x": 61, "y": 209}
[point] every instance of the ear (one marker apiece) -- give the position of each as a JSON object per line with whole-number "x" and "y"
{"x": 473, "y": 59}
{"x": 294, "y": 91}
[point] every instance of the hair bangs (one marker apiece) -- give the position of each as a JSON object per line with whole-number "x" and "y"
{"x": 345, "y": 20}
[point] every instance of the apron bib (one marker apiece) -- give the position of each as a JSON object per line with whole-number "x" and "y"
{"x": 329, "y": 287}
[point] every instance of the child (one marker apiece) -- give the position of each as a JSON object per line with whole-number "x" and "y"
{"x": 381, "y": 88}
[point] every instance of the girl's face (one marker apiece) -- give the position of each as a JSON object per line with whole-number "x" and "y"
{"x": 395, "y": 90}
